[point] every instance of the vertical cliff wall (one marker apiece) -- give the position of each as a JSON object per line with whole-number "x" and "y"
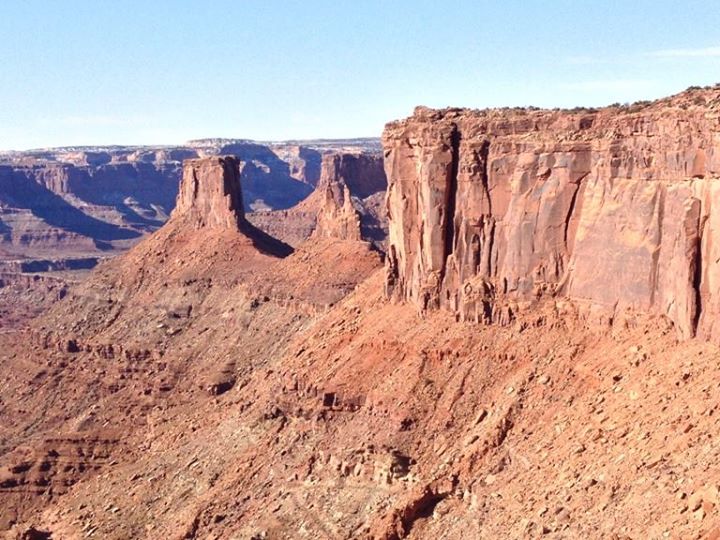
{"x": 210, "y": 195}
{"x": 617, "y": 209}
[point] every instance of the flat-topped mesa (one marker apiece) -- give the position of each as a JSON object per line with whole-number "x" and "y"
{"x": 210, "y": 195}
{"x": 346, "y": 188}
{"x": 617, "y": 209}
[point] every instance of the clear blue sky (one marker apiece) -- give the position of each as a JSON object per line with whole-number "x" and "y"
{"x": 164, "y": 71}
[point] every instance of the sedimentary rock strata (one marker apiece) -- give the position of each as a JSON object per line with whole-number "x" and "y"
{"x": 62, "y": 207}
{"x": 615, "y": 208}
{"x": 82, "y": 201}
{"x": 204, "y": 385}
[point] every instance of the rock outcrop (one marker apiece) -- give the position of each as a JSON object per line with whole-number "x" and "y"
{"x": 90, "y": 200}
{"x": 210, "y": 194}
{"x": 617, "y": 209}
{"x": 349, "y": 185}
{"x": 338, "y": 217}
{"x": 210, "y": 210}
{"x": 199, "y": 387}
{"x": 346, "y": 204}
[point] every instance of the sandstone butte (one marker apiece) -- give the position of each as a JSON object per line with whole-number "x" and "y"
{"x": 210, "y": 194}
{"x": 536, "y": 357}
{"x": 64, "y": 208}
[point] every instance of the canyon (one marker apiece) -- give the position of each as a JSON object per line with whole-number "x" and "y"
{"x": 68, "y": 208}
{"x": 503, "y": 325}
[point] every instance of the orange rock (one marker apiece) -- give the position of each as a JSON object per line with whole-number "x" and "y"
{"x": 615, "y": 209}
{"x": 210, "y": 194}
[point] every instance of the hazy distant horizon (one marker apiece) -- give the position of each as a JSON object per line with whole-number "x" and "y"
{"x": 191, "y": 142}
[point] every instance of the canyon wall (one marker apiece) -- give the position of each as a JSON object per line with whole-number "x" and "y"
{"x": 617, "y": 209}
{"x": 61, "y": 206}
{"x": 71, "y": 202}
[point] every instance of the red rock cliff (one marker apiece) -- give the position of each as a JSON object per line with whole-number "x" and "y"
{"x": 210, "y": 194}
{"x": 617, "y": 209}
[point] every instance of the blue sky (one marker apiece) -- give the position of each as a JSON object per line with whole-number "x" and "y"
{"x": 163, "y": 71}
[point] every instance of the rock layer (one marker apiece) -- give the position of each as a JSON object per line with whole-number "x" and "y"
{"x": 89, "y": 200}
{"x": 616, "y": 209}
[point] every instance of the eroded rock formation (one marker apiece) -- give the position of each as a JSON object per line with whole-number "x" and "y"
{"x": 348, "y": 188}
{"x": 86, "y": 200}
{"x": 210, "y": 194}
{"x": 346, "y": 181}
{"x": 617, "y": 209}
{"x": 346, "y": 204}
{"x": 199, "y": 387}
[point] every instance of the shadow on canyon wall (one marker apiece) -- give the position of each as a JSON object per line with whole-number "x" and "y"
{"x": 54, "y": 210}
{"x": 266, "y": 178}
{"x": 145, "y": 185}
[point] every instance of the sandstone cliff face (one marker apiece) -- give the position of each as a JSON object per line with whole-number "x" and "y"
{"x": 304, "y": 163}
{"x": 210, "y": 209}
{"x": 616, "y": 209}
{"x": 210, "y": 194}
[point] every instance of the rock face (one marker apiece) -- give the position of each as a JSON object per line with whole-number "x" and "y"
{"x": 267, "y": 180}
{"x": 200, "y": 367}
{"x": 346, "y": 204}
{"x": 210, "y": 194}
{"x": 338, "y": 217}
{"x": 60, "y": 206}
{"x": 304, "y": 163}
{"x": 348, "y": 187}
{"x": 210, "y": 203}
{"x": 617, "y": 209}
